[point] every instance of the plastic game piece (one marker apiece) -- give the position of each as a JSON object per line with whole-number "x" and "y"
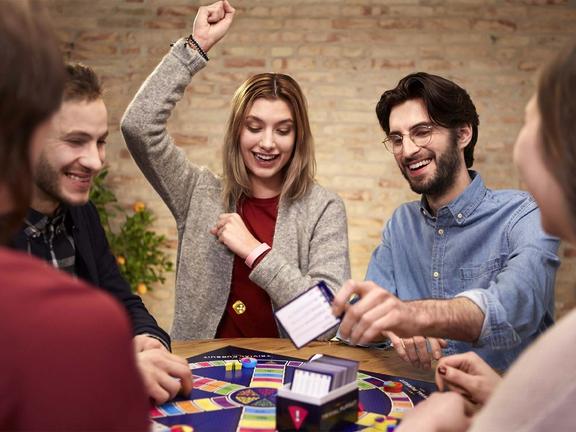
{"x": 181, "y": 428}
{"x": 393, "y": 386}
{"x": 228, "y": 366}
{"x": 237, "y": 365}
{"x": 248, "y": 362}
{"x": 380, "y": 423}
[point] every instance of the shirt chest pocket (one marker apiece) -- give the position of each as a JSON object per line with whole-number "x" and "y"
{"x": 480, "y": 276}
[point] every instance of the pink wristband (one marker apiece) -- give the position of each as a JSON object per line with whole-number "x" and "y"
{"x": 256, "y": 252}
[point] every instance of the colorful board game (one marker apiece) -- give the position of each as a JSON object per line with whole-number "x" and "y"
{"x": 244, "y": 400}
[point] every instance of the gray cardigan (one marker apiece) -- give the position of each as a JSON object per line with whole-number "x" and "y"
{"x": 310, "y": 238}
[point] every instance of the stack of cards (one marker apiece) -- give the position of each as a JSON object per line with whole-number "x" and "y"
{"x": 322, "y": 374}
{"x": 309, "y": 315}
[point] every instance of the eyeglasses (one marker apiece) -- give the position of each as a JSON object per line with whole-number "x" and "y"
{"x": 420, "y": 135}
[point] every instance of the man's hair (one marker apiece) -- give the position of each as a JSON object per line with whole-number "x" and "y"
{"x": 31, "y": 83}
{"x": 300, "y": 170}
{"x": 556, "y": 100}
{"x": 82, "y": 84}
{"x": 448, "y": 105}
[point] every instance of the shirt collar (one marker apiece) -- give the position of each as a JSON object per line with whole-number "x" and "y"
{"x": 37, "y": 222}
{"x": 464, "y": 205}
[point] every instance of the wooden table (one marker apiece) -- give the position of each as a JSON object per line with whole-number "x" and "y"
{"x": 372, "y": 360}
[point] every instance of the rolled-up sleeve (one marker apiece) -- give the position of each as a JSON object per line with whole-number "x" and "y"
{"x": 520, "y": 299}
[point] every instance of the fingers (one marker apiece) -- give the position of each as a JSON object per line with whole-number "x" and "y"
{"x": 223, "y": 220}
{"x": 228, "y": 8}
{"x": 164, "y": 388}
{"x": 164, "y": 374}
{"x": 399, "y": 346}
{"x": 212, "y": 23}
{"x": 341, "y": 298}
{"x": 186, "y": 383}
{"x": 468, "y": 362}
{"x": 435, "y": 347}
{"x": 461, "y": 382}
{"x": 362, "y": 318}
{"x": 411, "y": 351}
{"x": 215, "y": 12}
{"x": 418, "y": 352}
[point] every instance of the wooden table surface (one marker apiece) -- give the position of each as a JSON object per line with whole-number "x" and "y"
{"x": 372, "y": 360}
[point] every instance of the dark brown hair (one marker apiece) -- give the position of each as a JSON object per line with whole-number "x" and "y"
{"x": 299, "y": 172}
{"x": 557, "y": 107}
{"x": 31, "y": 83}
{"x": 448, "y": 105}
{"x": 82, "y": 84}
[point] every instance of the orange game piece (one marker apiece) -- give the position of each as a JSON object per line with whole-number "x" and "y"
{"x": 393, "y": 387}
{"x": 181, "y": 428}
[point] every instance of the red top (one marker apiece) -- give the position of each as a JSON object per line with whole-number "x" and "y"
{"x": 67, "y": 360}
{"x": 259, "y": 216}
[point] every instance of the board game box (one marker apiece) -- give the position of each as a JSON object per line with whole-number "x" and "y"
{"x": 244, "y": 400}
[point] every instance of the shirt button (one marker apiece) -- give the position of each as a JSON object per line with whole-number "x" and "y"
{"x": 459, "y": 216}
{"x": 441, "y": 232}
{"x": 436, "y": 275}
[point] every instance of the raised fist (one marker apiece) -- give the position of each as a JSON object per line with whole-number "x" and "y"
{"x": 212, "y": 23}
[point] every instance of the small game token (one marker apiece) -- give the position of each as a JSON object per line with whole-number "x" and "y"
{"x": 393, "y": 386}
{"x": 228, "y": 366}
{"x": 249, "y": 362}
{"x": 181, "y": 428}
{"x": 380, "y": 423}
{"x": 237, "y": 365}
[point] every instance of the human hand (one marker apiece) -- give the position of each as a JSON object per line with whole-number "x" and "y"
{"x": 164, "y": 374}
{"x": 418, "y": 350}
{"x": 376, "y": 312}
{"x": 212, "y": 23}
{"x": 468, "y": 375}
{"x": 232, "y": 232}
{"x": 441, "y": 412}
{"x": 144, "y": 342}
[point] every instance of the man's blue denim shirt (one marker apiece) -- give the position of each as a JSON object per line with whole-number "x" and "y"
{"x": 485, "y": 245}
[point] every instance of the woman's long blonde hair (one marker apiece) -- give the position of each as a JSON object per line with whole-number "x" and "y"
{"x": 300, "y": 171}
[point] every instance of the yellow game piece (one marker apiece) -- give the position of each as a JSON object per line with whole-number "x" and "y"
{"x": 237, "y": 365}
{"x": 228, "y": 366}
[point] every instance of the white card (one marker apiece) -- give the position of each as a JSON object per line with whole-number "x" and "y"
{"x": 309, "y": 315}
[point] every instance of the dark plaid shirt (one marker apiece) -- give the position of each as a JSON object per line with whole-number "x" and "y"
{"x": 48, "y": 238}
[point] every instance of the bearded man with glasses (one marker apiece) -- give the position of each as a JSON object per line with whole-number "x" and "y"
{"x": 466, "y": 267}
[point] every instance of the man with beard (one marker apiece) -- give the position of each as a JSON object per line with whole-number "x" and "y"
{"x": 63, "y": 227}
{"x": 465, "y": 268}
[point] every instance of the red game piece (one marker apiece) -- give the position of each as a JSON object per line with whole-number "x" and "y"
{"x": 181, "y": 428}
{"x": 393, "y": 387}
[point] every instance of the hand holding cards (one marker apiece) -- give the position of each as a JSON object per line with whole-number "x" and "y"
{"x": 309, "y": 315}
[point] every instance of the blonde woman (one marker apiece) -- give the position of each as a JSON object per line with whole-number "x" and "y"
{"x": 264, "y": 232}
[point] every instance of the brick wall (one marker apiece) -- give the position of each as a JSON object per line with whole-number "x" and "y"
{"x": 344, "y": 54}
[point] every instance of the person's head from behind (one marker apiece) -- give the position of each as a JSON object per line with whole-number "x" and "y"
{"x": 31, "y": 82}
{"x": 268, "y": 149}
{"x": 545, "y": 151}
{"x": 431, "y": 127}
{"x": 75, "y": 148}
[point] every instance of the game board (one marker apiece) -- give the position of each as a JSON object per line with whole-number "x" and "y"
{"x": 244, "y": 401}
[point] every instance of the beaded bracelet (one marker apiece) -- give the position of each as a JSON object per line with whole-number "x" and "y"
{"x": 191, "y": 42}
